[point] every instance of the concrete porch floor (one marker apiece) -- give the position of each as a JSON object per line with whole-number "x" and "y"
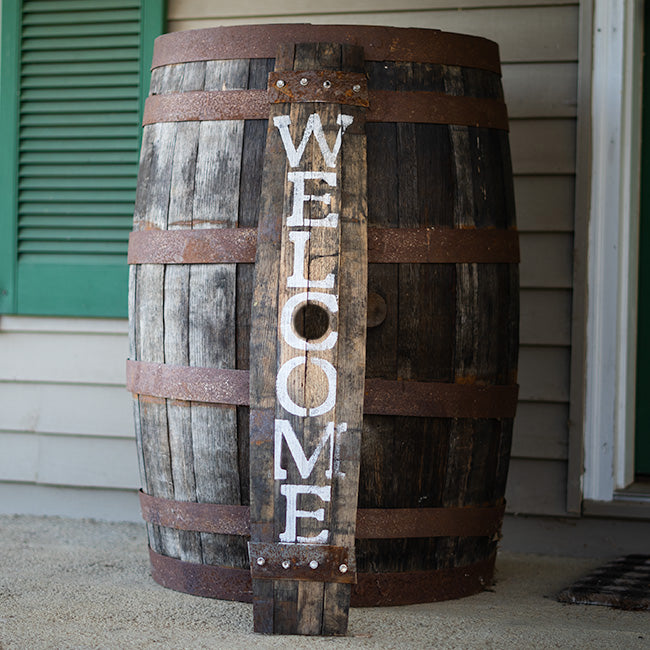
{"x": 68, "y": 583}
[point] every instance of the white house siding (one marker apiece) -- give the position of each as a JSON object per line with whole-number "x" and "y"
{"x": 66, "y": 432}
{"x": 66, "y": 441}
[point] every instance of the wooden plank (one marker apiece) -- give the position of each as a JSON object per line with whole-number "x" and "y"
{"x": 545, "y": 317}
{"x": 353, "y": 269}
{"x": 545, "y": 33}
{"x": 545, "y": 203}
{"x": 249, "y": 208}
{"x": 541, "y": 431}
{"x": 543, "y": 146}
{"x": 78, "y": 409}
{"x": 147, "y": 326}
{"x": 546, "y": 260}
{"x": 321, "y": 329}
{"x": 465, "y": 361}
{"x": 537, "y": 487}
{"x": 212, "y": 309}
{"x": 190, "y": 77}
{"x": 541, "y": 90}
{"x": 544, "y": 374}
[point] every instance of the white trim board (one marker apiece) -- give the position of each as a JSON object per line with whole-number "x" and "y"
{"x": 613, "y": 248}
{"x": 65, "y": 325}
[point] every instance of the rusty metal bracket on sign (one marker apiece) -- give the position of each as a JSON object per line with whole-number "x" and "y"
{"x": 315, "y": 562}
{"x": 330, "y": 86}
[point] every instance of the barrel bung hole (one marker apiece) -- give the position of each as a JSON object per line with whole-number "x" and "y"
{"x": 311, "y": 322}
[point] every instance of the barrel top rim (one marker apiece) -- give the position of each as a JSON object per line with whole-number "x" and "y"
{"x": 380, "y": 43}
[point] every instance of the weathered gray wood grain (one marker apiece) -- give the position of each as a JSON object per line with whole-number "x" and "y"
{"x": 212, "y": 309}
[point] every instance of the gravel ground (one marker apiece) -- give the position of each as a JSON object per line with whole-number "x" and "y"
{"x": 83, "y": 584}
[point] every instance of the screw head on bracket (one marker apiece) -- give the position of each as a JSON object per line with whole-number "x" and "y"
{"x": 261, "y": 561}
{"x": 313, "y": 564}
{"x": 286, "y": 564}
{"x": 343, "y": 568}
{"x": 279, "y": 83}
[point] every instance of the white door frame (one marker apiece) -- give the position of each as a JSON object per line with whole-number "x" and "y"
{"x": 616, "y": 94}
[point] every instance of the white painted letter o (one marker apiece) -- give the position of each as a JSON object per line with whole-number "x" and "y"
{"x": 282, "y": 392}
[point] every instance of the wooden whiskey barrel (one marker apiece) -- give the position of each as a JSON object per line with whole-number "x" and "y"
{"x": 442, "y": 334}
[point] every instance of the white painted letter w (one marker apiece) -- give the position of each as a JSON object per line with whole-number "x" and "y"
{"x": 315, "y": 126}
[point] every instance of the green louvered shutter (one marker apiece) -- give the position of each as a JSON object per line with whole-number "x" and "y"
{"x": 83, "y": 74}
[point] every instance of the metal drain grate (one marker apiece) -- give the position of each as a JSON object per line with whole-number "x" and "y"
{"x": 623, "y": 583}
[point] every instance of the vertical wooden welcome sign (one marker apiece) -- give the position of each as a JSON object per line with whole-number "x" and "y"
{"x": 308, "y": 342}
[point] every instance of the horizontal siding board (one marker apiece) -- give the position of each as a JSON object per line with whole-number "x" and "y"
{"x": 541, "y": 90}
{"x": 90, "y": 462}
{"x": 74, "y": 358}
{"x": 179, "y": 9}
{"x": 545, "y": 203}
{"x": 544, "y": 374}
{"x": 536, "y": 487}
{"x": 18, "y": 456}
{"x": 533, "y": 33}
{"x": 541, "y": 431}
{"x": 69, "y": 460}
{"x": 545, "y": 317}
{"x": 546, "y": 260}
{"x": 102, "y": 326}
{"x": 543, "y": 146}
{"x": 98, "y": 503}
{"x": 66, "y": 409}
